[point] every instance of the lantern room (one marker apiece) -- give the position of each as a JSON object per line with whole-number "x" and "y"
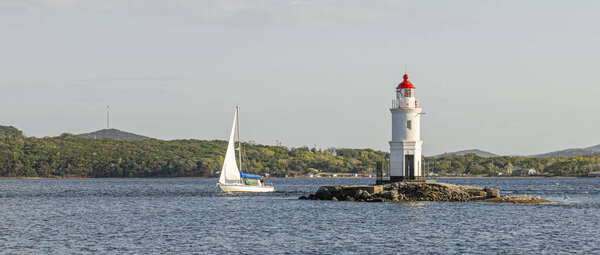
{"x": 405, "y": 94}
{"x": 405, "y": 88}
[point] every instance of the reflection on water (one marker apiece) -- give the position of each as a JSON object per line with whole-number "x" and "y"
{"x": 192, "y": 216}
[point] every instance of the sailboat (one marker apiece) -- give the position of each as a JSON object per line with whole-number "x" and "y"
{"x": 232, "y": 179}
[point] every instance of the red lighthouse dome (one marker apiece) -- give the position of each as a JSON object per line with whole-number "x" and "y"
{"x": 406, "y": 84}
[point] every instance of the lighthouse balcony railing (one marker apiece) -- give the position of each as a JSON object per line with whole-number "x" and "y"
{"x": 399, "y": 104}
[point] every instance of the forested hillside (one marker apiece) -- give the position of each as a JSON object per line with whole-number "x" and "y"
{"x": 113, "y": 133}
{"x": 71, "y": 156}
{"x": 10, "y": 131}
{"x": 472, "y": 164}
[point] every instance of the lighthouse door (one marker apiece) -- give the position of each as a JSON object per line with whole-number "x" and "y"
{"x": 409, "y": 166}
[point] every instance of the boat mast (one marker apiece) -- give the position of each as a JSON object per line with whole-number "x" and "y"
{"x": 237, "y": 109}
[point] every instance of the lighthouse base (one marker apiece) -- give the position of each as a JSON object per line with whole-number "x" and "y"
{"x": 404, "y": 178}
{"x": 405, "y": 160}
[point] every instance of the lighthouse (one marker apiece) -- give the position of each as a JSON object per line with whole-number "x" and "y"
{"x": 405, "y": 146}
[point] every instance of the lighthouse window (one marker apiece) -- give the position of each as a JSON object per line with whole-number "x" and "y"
{"x": 409, "y": 124}
{"x": 407, "y": 93}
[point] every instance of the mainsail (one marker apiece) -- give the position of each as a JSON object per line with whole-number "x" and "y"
{"x": 230, "y": 172}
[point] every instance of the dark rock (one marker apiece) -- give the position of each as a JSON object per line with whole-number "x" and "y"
{"x": 323, "y": 194}
{"x": 362, "y": 194}
{"x": 477, "y": 193}
{"x": 402, "y": 197}
{"x": 391, "y": 194}
{"x": 492, "y": 193}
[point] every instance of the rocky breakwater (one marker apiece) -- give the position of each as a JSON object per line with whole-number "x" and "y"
{"x": 418, "y": 191}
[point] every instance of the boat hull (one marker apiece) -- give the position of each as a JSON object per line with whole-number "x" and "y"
{"x": 245, "y": 188}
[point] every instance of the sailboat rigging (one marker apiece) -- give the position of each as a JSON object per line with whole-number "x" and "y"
{"x": 232, "y": 179}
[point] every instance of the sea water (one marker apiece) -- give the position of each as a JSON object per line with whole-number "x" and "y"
{"x": 192, "y": 216}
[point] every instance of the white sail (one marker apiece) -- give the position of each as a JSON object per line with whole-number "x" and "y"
{"x": 230, "y": 173}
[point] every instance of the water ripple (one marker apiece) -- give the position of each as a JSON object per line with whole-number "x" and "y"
{"x": 191, "y": 216}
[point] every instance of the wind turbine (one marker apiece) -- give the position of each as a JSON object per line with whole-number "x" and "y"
{"x": 107, "y": 117}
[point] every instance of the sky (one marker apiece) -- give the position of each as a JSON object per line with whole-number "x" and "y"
{"x": 509, "y": 77}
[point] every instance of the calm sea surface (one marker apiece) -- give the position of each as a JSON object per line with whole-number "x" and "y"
{"x": 181, "y": 216}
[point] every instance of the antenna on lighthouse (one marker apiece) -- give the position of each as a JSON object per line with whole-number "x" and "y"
{"x": 107, "y": 117}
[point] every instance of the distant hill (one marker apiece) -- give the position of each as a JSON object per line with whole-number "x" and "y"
{"x": 477, "y": 152}
{"x": 114, "y": 134}
{"x": 10, "y": 131}
{"x": 595, "y": 148}
{"x": 570, "y": 152}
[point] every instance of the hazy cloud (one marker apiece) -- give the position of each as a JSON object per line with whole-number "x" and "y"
{"x": 489, "y": 75}
{"x": 316, "y": 13}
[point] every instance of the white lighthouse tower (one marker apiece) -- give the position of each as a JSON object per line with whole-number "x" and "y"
{"x": 405, "y": 146}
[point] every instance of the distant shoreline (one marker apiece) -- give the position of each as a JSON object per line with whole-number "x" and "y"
{"x": 121, "y": 156}
{"x": 93, "y": 178}
{"x": 444, "y": 177}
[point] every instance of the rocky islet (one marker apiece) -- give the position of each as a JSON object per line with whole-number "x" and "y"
{"x": 418, "y": 191}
